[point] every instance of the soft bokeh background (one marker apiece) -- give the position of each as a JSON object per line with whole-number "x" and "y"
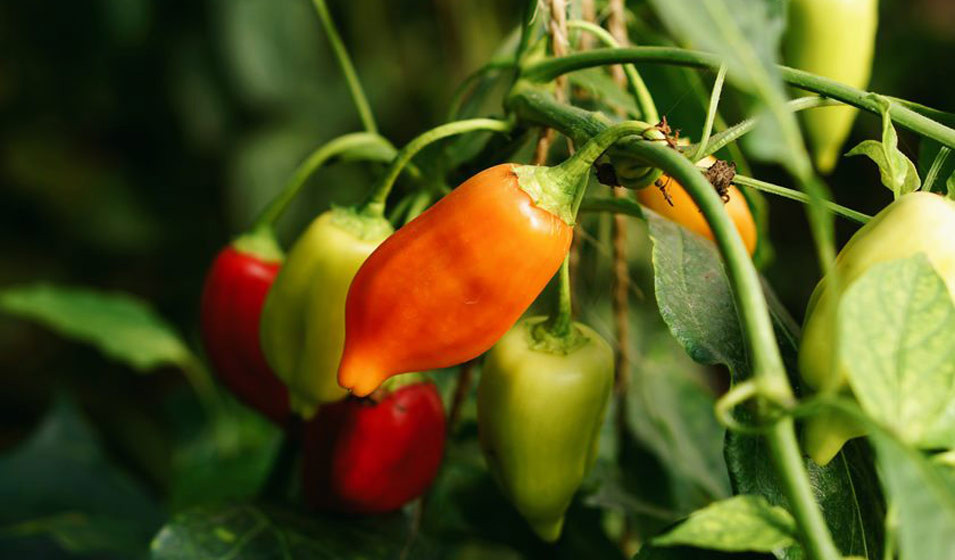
{"x": 138, "y": 136}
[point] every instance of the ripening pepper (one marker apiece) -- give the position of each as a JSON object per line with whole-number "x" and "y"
{"x": 303, "y": 323}
{"x": 231, "y": 305}
{"x": 540, "y": 407}
{"x": 681, "y": 208}
{"x": 447, "y": 285}
{"x": 919, "y": 222}
{"x": 373, "y": 455}
{"x": 834, "y": 39}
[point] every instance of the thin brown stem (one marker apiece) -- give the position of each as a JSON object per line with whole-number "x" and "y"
{"x": 617, "y": 25}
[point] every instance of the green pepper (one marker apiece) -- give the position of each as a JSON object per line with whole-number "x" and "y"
{"x": 919, "y": 222}
{"x": 541, "y": 402}
{"x": 835, "y": 39}
{"x": 303, "y": 322}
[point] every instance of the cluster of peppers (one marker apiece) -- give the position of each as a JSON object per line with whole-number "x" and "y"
{"x": 322, "y": 333}
{"x": 331, "y": 332}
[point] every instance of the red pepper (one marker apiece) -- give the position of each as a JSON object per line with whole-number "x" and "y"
{"x": 232, "y": 300}
{"x": 362, "y": 456}
{"x": 446, "y": 286}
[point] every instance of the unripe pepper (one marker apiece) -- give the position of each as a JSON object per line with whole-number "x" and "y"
{"x": 919, "y": 222}
{"x": 231, "y": 305}
{"x": 541, "y": 403}
{"x": 835, "y": 39}
{"x": 677, "y": 205}
{"x": 367, "y": 456}
{"x": 303, "y": 323}
{"x": 447, "y": 285}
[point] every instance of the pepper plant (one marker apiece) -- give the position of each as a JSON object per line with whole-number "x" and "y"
{"x": 440, "y": 371}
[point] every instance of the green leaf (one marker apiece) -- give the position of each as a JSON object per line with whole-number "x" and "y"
{"x": 60, "y": 484}
{"x": 122, "y": 326}
{"x": 737, "y": 524}
{"x": 249, "y": 532}
{"x": 229, "y": 460}
{"x": 897, "y": 339}
{"x": 950, "y": 186}
{"x": 694, "y": 296}
{"x": 897, "y": 171}
{"x": 746, "y": 35}
{"x": 924, "y": 494}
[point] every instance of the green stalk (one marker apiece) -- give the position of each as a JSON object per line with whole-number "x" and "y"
{"x": 791, "y": 194}
{"x": 936, "y": 167}
{"x": 384, "y": 151}
{"x": 559, "y": 325}
{"x": 768, "y": 371}
{"x": 341, "y": 53}
{"x": 638, "y": 88}
{"x": 899, "y": 113}
{"x": 561, "y": 188}
{"x": 375, "y": 204}
{"x": 711, "y": 113}
{"x": 718, "y": 141}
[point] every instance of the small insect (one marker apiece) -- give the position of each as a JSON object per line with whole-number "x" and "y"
{"x": 721, "y": 175}
{"x": 672, "y": 137}
{"x": 662, "y": 183}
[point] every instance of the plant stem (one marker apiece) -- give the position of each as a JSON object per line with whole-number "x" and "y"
{"x": 636, "y": 85}
{"x": 560, "y": 322}
{"x": 341, "y": 53}
{"x": 899, "y": 113}
{"x": 718, "y": 141}
{"x": 768, "y": 370}
{"x": 937, "y": 165}
{"x": 382, "y": 150}
{"x": 375, "y": 204}
{"x": 711, "y": 113}
{"x": 756, "y": 184}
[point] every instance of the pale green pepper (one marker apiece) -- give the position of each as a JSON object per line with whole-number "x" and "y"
{"x": 919, "y": 222}
{"x": 303, "y": 322}
{"x": 540, "y": 406}
{"x": 834, "y": 39}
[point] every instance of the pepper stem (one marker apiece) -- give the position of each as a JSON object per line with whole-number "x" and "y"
{"x": 560, "y": 322}
{"x": 560, "y": 189}
{"x": 375, "y": 204}
{"x": 336, "y": 147}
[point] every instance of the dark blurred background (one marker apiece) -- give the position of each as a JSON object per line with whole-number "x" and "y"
{"x": 138, "y": 136}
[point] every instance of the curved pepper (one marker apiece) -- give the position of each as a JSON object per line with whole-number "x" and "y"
{"x": 303, "y": 323}
{"x": 919, "y": 222}
{"x": 681, "y": 208}
{"x": 446, "y": 286}
{"x": 362, "y": 456}
{"x": 540, "y": 408}
{"x": 231, "y": 306}
{"x": 835, "y": 39}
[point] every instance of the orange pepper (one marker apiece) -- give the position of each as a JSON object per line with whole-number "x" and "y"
{"x": 686, "y": 213}
{"x": 445, "y": 287}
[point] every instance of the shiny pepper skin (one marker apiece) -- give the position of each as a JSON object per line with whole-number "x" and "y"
{"x": 446, "y": 286}
{"x": 303, "y": 323}
{"x": 539, "y": 414}
{"x": 231, "y": 306}
{"x": 919, "y": 222}
{"x": 835, "y": 39}
{"x": 367, "y": 457}
{"x": 683, "y": 210}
